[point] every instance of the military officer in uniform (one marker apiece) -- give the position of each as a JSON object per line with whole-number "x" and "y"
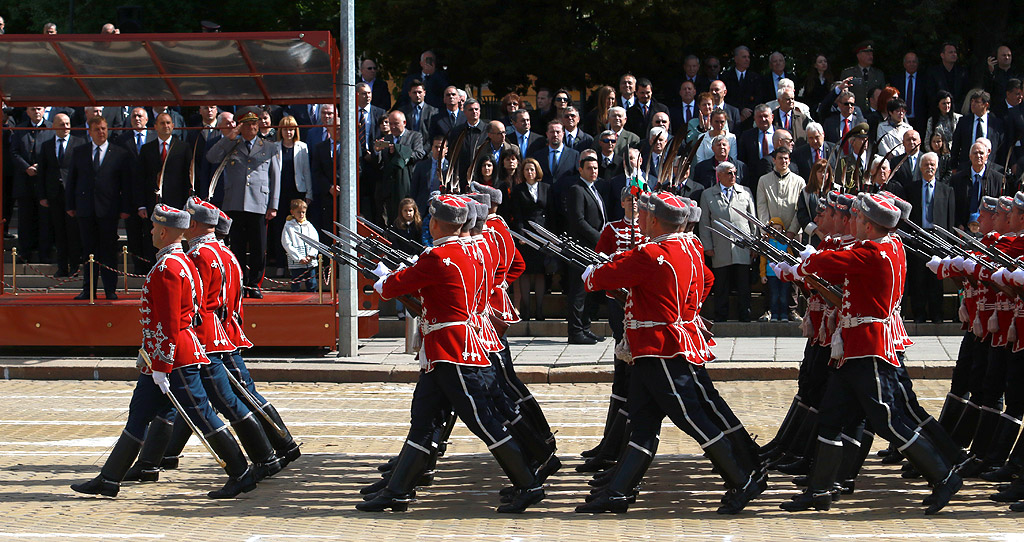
{"x": 252, "y": 185}
{"x": 171, "y": 359}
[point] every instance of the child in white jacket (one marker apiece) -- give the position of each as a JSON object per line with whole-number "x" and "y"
{"x": 301, "y": 256}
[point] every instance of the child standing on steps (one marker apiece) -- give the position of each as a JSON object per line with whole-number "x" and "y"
{"x": 301, "y": 256}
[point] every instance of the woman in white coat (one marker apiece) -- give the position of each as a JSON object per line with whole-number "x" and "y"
{"x": 296, "y": 183}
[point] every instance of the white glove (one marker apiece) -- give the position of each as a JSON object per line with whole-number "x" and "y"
{"x": 401, "y": 266}
{"x": 957, "y": 263}
{"x": 140, "y": 363}
{"x": 1018, "y": 277}
{"x": 413, "y": 259}
{"x": 160, "y": 379}
{"x": 933, "y": 264}
{"x": 969, "y": 266}
{"x": 998, "y": 277}
{"x": 379, "y": 285}
{"x": 381, "y": 270}
{"x": 807, "y": 251}
{"x": 587, "y": 272}
{"x": 776, "y": 268}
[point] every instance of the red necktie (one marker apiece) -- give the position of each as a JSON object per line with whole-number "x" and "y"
{"x": 817, "y": 154}
{"x": 787, "y": 120}
{"x": 163, "y": 151}
{"x": 764, "y": 145}
{"x": 846, "y": 128}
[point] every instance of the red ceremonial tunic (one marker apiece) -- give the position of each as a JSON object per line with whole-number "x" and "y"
{"x": 615, "y": 237}
{"x": 485, "y": 252}
{"x": 816, "y": 305}
{"x": 661, "y": 310}
{"x": 902, "y": 338}
{"x": 995, "y": 309}
{"x": 704, "y": 279}
{"x": 234, "y": 322}
{"x": 170, "y": 304}
{"x": 445, "y": 277}
{"x": 509, "y": 266}
{"x": 206, "y": 256}
{"x": 872, "y": 276}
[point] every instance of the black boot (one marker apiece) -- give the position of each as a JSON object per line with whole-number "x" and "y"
{"x": 967, "y": 425}
{"x": 280, "y": 438}
{"x": 821, "y": 480}
{"x": 930, "y": 463}
{"x": 528, "y": 491}
{"x": 1013, "y": 466}
{"x": 980, "y": 443}
{"x": 744, "y": 485}
{"x": 397, "y": 495}
{"x": 117, "y": 464}
{"x": 147, "y": 467}
{"x": 630, "y": 470}
{"x": 952, "y": 410}
{"x": 176, "y": 443}
{"x": 745, "y": 451}
{"x": 613, "y": 408}
{"x": 855, "y": 451}
{"x": 1013, "y": 493}
{"x": 530, "y": 409}
{"x": 786, "y": 439}
{"x": 539, "y": 451}
{"x": 803, "y": 440}
{"x": 1002, "y": 442}
{"x": 937, "y": 433}
{"x": 241, "y": 477}
{"x": 786, "y": 422}
{"x": 257, "y": 446}
{"x": 618, "y": 433}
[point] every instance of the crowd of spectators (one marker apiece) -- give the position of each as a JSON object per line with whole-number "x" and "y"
{"x": 769, "y": 144}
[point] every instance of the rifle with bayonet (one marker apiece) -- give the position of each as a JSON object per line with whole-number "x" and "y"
{"x": 775, "y": 234}
{"x": 409, "y": 246}
{"x": 678, "y": 178}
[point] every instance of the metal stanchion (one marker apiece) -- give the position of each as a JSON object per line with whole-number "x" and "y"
{"x": 124, "y": 257}
{"x": 92, "y": 279}
{"x": 14, "y": 270}
{"x": 334, "y": 288}
{"x": 320, "y": 276}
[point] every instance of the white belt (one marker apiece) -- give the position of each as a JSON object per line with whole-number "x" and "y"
{"x": 847, "y": 322}
{"x": 1003, "y": 306}
{"x": 426, "y": 328}
{"x": 641, "y": 324}
{"x": 816, "y": 305}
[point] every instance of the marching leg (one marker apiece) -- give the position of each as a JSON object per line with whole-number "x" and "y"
{"x": 147, "y": 467}
{"x": 118, "y": 462}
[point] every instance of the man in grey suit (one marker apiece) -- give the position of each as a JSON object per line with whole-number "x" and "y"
{"x": 934, "y": 205}
{"x": 418, "y": 113}
{"x": 252, "y": 184}
{"x": 617, "y": 124}
{"x": 730, "y": 263}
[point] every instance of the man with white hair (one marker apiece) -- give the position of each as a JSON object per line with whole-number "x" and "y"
{"x": 654, "y": 157}
{"x": 730, "y": 263}
{"x": 975, "y": 182}
{"x": 933, "y": 205}
{"x": 787, "y": 83}
{"x": 788, "y": 117}
{"x": 814, "y": 148}
{"x": 617, "y": 124}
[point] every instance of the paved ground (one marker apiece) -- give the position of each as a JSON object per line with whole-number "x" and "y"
{"x": 58, "y": 432}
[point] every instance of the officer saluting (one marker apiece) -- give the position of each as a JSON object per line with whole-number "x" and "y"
{"x": 171, "y": 298}
{"x": 668, "y": 349}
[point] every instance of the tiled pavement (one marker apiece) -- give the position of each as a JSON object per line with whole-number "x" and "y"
{"x": 58, "y": 432}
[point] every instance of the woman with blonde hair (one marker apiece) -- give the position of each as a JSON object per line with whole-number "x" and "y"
{"x": 597, "y": 119}
{"x": 296, "y": 182}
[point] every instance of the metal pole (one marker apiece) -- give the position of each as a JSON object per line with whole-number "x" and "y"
{"x": 14, "y": 270}
{"x": 92, "y": 279}
{"x": 124, "y": 259}
{"x": 320, "y": 276}
{"x": 348, "y": 316}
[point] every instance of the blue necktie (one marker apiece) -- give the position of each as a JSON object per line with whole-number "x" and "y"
{"x": 416, "y": 117}
{"x": 554, "y": 161}
{"x": 96, "y": 159}
{"x": 976, "y": 193}
{"x": 138, "y": 142}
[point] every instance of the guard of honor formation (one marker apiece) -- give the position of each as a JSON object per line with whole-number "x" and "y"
{"x": 852, "y": 384}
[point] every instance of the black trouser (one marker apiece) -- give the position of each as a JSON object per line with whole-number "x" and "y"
{"x": 994, "y": 380}
{"x": 99, "y": 238}
{"x": 140, "y": 243}
{"x": 960, "y": 383}
{"x": 249, "y": 243}
{"x": 814, "y": 374}
{"x": 925, "y": 291}
{"x": 979, "y": 366}
{"x": 667, "y": 387}
{"x": 726, "y": 278}
{"x": 465, "y": 389}
{"x": 869, "y": 387}
{"x": 65, "y": 235}
{"x": 582, "y": 304}
{"x": 1015, "y": 386}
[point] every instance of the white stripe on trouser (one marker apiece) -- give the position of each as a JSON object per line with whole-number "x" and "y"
{"x": 129, "y": 435}
{"x": 888, "y": 412}
{"x": 824, "y": 440}
{"x": 909, "y": 442}
{"x": 617, "y": 398}
{"x": 707, "y": 399}
{"x": 417, "y": 446}
{"x": 641, "y": 448}
{"x": 848, "y": 438}
{"x": 500, "y": 442}
{"x": 472, "y": 403}
{"x": 906, "y": 400}
{"x": 679, "y": 399}
{"x": 195, "y": 408}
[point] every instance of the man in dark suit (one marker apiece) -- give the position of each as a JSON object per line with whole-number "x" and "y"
{"x": 837, "y": 125}
{"x": 1004, "y": 104}
{"x": 934, "y": 205}
{"x": 948, "y": 76}
{"x": 910, "y": 171}
{"x": 743, "y": 84}
{"x": 970, "y": 184}
{"x": 305, "y": 115}
{"x": 704, "y": 171}
{"x": 776, "y": 73}
{"x": 449, "y": 116}
{"x": 417, "y": 112}
{"x": 325, "y": 167}
{"x": 609, "y": 161}
{"x": 33, "y": 224}
{"x": 54, "y": 162}
{"x": 680, "y": 115}
{"x": 163, "y": 178}
{"x": 913, "y": 90}
{"x": 434, "y": 81}
{"x": 368, "y": 135}
{"x": 137, "y": 225}
{"x": 327, "y": 115}
{"x": 585, "y": 218}
{"x": 638, "y": 117}
{"x": 718, "y": 92}
{"x": 118, "y": 116}
{"x": 496, "y": 145}
{"x": 632, "y": 164}
{"x": 692, "y": 73}
{"x": 404, "y": 149}
{"x": 200, "y": 142}
{"x": 980, "y": 123}
{"x": 98, "y": 197}
{"x": 379, "y": 87}
{"x": 522, "y": 136}
{"x": 558, "y": 163}
{"x": 755, "y": 147}
{"x": 427, "y": 175}
{"x": 476, "y": 131}
{"x": 788, "y": 117}
{"x": 574, "y": 137}
{"x": 179, "y": 121}
{"x": 816, "y": 148}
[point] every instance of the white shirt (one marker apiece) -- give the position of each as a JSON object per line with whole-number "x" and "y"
{"x": 533, "y": 190}
{"x": 103, "y": 150}
{"x": 59, "y": 143}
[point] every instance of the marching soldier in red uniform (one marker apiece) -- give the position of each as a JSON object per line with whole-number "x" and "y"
{"x": 171, "y": 359}
{"x": 668, "y": 349}
{"x": 456, "y": 369}
{"x": 865, "y": 347}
